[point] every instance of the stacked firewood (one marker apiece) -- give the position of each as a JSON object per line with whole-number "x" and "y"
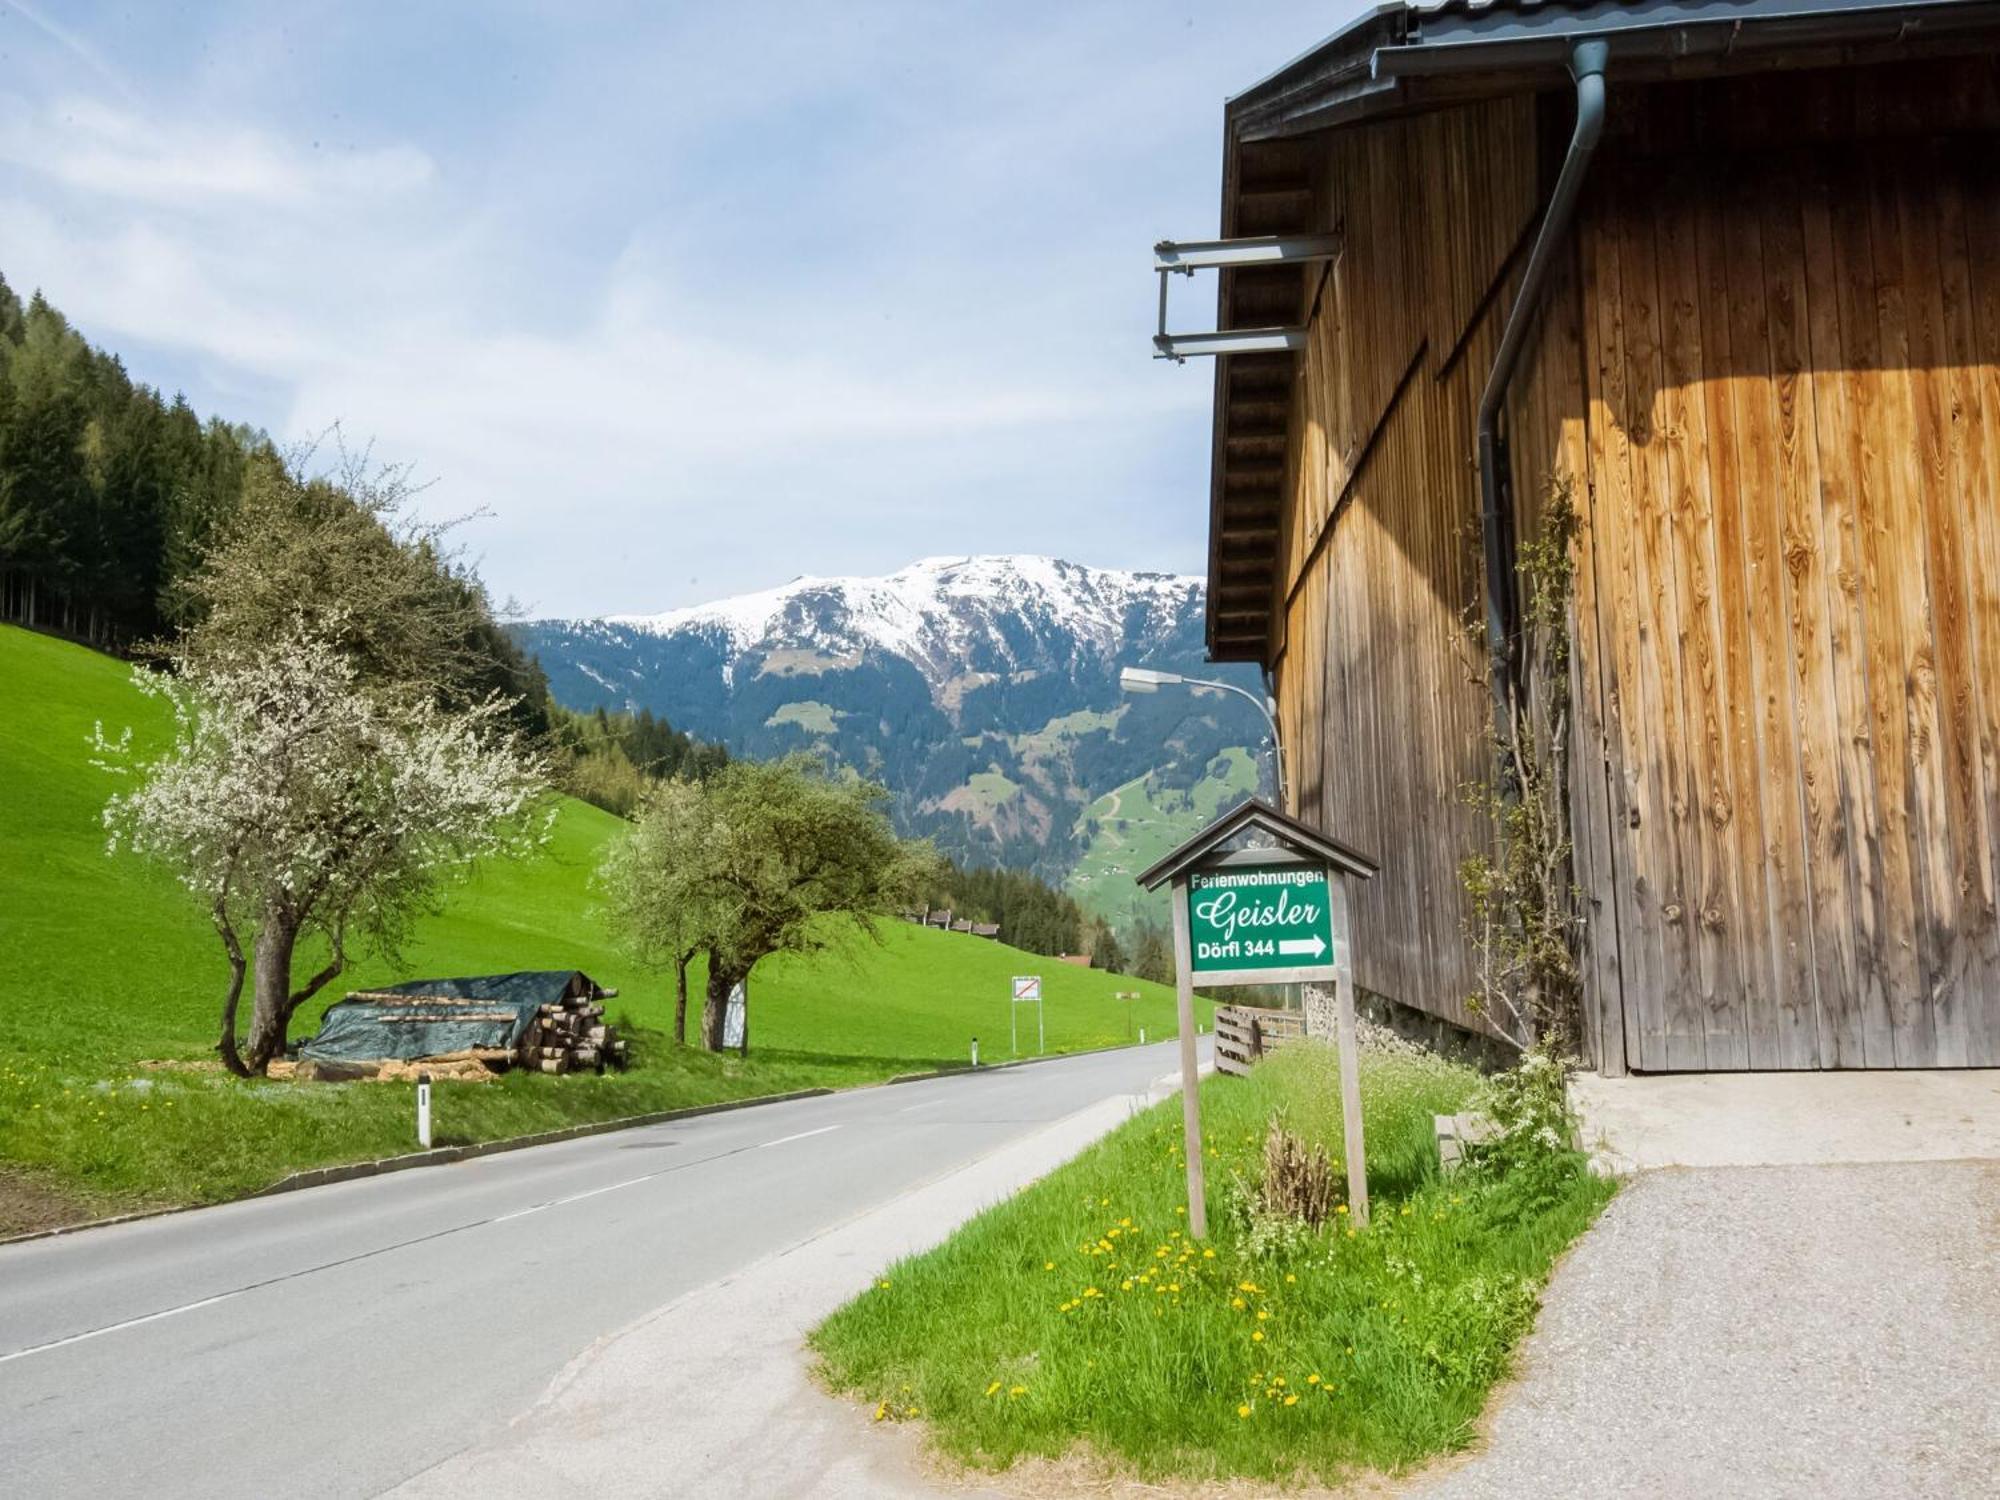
{"x": 571, "y": 1035}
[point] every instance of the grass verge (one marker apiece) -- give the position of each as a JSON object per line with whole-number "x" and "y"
{"x": 1078, "y": 1317}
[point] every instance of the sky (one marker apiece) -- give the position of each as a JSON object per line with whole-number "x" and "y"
{"x": 674, "y": 300}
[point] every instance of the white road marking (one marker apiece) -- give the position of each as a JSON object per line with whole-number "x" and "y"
{"x": 77, "y": 1338}
{"x": 781, "y": 1140}
{"x": 609, "y": 1188}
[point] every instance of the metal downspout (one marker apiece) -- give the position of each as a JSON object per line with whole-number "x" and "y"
{"x": 1587, "y": 63}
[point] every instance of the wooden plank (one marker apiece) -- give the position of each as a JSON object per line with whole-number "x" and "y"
{"x": 1969, "y": 233}
{"x": 1840, "y": 324}
{"x": 1959, "y": 851}
{"x": 1904, "y": 689}
{"x": 1356, "y": 1163}
{"x": 1711, "y": 611}
{"x": 1656, "y": 527}
{"x": 1783, "y": 1028}
{"x": 1827, "y": 813}
{"x": 1635, "y": 778}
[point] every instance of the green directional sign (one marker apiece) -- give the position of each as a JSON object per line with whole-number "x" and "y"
{"x": 1253, "y": 921}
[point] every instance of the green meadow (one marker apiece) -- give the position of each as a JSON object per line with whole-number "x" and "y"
{"x": 110, "y": 969}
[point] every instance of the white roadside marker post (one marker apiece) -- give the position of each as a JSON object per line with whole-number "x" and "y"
{"x": 975, "y": 1052}
{"x": 424, "y": 1110}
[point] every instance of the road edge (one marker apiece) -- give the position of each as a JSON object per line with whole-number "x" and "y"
{"x": 442, "y": 1156}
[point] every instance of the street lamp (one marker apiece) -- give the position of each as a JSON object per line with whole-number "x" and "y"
{"x": 1146, "y": 680}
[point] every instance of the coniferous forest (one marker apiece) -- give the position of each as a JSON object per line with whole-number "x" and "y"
{"x": 110, "y": 495}
{"x": 108, "y": 491}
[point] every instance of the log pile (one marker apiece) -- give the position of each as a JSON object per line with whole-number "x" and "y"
{"x": 570, "y": 1036}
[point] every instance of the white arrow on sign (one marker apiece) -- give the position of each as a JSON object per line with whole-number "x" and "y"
{"x": 1315, "y": 945}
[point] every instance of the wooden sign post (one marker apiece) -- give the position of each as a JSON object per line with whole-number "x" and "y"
{"x": 1263, "y": 915}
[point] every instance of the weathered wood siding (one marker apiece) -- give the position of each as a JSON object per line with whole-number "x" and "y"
{"x": 1381, "y": 706}
{"x": 1788, "y": 297}
{"x": 1770, "y": 363}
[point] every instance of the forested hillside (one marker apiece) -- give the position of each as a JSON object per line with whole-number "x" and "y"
{"x": 110, "y": 495}
{"x": 108, "y": 491}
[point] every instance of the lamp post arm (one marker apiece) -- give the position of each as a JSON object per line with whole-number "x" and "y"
{"x": 1264, "y": 708}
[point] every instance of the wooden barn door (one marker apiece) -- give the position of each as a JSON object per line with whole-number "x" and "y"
{"x": 1793, "y": 372}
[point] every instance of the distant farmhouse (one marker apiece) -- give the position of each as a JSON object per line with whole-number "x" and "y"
{"x": 1759, "y": 344}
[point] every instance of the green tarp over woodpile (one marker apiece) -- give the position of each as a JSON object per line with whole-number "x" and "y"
{"x": 433, "y": 1017}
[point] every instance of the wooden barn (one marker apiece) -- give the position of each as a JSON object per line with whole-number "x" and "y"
{"x": 1728, "y": 272}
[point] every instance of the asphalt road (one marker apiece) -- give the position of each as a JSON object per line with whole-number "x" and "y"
{"x": 336, "y": 1341}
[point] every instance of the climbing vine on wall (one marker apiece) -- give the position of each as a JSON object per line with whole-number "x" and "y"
{"x": 1524, "y": 912}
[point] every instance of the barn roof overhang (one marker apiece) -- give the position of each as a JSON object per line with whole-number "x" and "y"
{"x": 1406, "y": 58}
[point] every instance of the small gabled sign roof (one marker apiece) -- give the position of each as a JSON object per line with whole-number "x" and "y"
{"x": 1292, "y": 836}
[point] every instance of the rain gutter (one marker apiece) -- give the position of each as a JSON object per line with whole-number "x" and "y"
{"x": 1587, "y": 63}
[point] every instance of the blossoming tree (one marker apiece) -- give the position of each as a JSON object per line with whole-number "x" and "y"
{"x": 762, "y": 858}
{"x": 296, "y": 803}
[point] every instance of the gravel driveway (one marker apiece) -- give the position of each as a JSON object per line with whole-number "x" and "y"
{"x": 1763, "y": 1331}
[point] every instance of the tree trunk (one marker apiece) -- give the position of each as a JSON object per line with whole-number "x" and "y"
{"x": 743, "y": 1044}
{"x": 271, "y": 998}
{"x": 715, "y": 1002}
{"x": 231, "y": 1058}
{"x": 681, "y": 999}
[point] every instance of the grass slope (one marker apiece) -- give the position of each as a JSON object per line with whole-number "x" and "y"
{"x": 1130, "y": 828}
{"x": 106, "y": 963}
{"x": 1078, "y": 1317}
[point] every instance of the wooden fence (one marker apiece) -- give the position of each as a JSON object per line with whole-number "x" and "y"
{"x": 1244, "y": 1033}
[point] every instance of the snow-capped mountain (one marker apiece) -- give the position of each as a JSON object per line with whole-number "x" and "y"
{"x": 981, "y": 690}
{"x": 948, "y": 615}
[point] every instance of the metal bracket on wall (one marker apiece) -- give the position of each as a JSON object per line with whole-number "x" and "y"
{"x": 1188, "y": 256}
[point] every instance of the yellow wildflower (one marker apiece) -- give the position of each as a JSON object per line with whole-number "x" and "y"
{"x": 1243, "y": 1410}
{"x": 1291, "y": 1400}
{"x": 993, "y": 1389}
{"x": 1257, "y": 1337}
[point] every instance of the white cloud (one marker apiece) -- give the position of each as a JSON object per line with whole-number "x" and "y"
{"x": 688, "y": 312}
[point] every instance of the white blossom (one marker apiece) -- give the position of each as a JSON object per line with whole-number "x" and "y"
{"x": 292, "y": 794}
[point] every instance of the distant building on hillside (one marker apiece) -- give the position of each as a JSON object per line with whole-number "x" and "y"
{"x": 1728, "y": 275}
{"x": 947, "y": 921}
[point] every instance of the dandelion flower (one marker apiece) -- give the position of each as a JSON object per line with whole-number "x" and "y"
{"x": 1238, "y": 1303}
{"x": 1243, "y": 1410}
{"x": 883, "y": 1285}
{"x": 1019, "y": 1390}
{"x": 1208, "y": 1254}
{"x": 1312, "y": 1380}
{"x": 1263, "y": 1313}
{"x": 993, "y": 1389}
{"x": 1257, "y": 1337}
{"x": 1291, "y": 1400}
{"x": 1048, "y": 1265}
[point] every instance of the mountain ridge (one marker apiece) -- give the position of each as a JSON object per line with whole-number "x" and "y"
{"x": 981, "y": 689}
